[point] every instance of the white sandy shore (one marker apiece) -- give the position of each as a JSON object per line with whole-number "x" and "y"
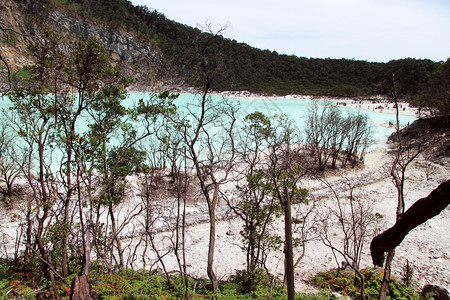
{"x": 377, "y": 104}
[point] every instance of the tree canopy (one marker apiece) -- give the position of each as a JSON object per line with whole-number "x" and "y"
{"x": 246, "y": 67}
{"x": 435, "y": 95}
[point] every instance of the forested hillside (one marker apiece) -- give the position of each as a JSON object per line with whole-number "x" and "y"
{"x": 243, "y": 67}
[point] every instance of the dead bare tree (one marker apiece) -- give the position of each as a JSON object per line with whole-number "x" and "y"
{"x": 11, "y": 162}
{"x": 329, "y": 134}
{"x": 404, "y": 155}
{"x": 208, "y": 132}
{"x": 182, "y": 184}
{"x": 210, "y": 147}
{"x": 305, "y": 228}
{"x": 176, "y": 155}
{"x": 354, "y": 219}
{"x": 358, "y": 131}
{"x": 324, "y": 135}
{"x": 162, "y": 215}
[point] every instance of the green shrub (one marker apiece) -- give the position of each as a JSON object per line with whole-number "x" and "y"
{"x": 346, "y": 284}
{"x": 256, "y": 284}
{"x": 250, "y": 280}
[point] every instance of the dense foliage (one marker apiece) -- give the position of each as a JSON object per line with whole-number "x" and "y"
{"x": 436, "y": 94}
{"x": 346, "y": 283}
{"x": 249, "y": 68}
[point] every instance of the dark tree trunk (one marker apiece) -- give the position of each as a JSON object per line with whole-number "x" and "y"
{"x": 288, "y": 250}
{"x": 421, "y": 211}
{"x": 81, "y": 289}
{"x": 387, "y": 275}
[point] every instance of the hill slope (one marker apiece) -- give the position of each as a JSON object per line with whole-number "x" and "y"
{"x": 161, "y": 53}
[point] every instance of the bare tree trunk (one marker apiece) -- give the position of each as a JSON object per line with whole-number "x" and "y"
{"x": 87, "y": 247}
{"x": 181, "y": 213}
{"x": 116, "y": 237}
{"x": 421, "y": 211}
{"x": 67, "y": 202}
{"x": 160, "y": 258}
{"x": 183, "y": 232}
{"x": 211, "y": 246}
{"x": 398, "y": 182}
{"x": 81, "y": 289}
{"x": 399, "y": 166}
{"x": 288, "y": 252}
{"x": 387, "y": 275}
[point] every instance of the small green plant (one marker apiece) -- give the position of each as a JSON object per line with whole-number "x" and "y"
{"x": 249, "y": 280}
{"x": 9, "y": 37}
{"x": 21, "y": 75}
{"x": 345, "y": 284}
{"x": 4, "y": 287}
{"x": 112, "y": 286}
{"x": 252, "y": 284}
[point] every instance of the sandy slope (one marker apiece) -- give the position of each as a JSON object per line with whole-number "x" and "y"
{"x": 426, "y": 247}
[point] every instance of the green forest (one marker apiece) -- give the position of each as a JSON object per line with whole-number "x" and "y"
{"x": 244, "y": 67}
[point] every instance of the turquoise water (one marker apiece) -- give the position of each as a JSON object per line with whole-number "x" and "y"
{"x": 297, "y": 109}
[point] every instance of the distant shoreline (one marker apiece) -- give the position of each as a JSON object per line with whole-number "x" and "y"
{"x": 375, "y": 103}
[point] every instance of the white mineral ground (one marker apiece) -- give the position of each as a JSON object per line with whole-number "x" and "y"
{"x": 379, "y": 104}
{"x": 427, "y": 247}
